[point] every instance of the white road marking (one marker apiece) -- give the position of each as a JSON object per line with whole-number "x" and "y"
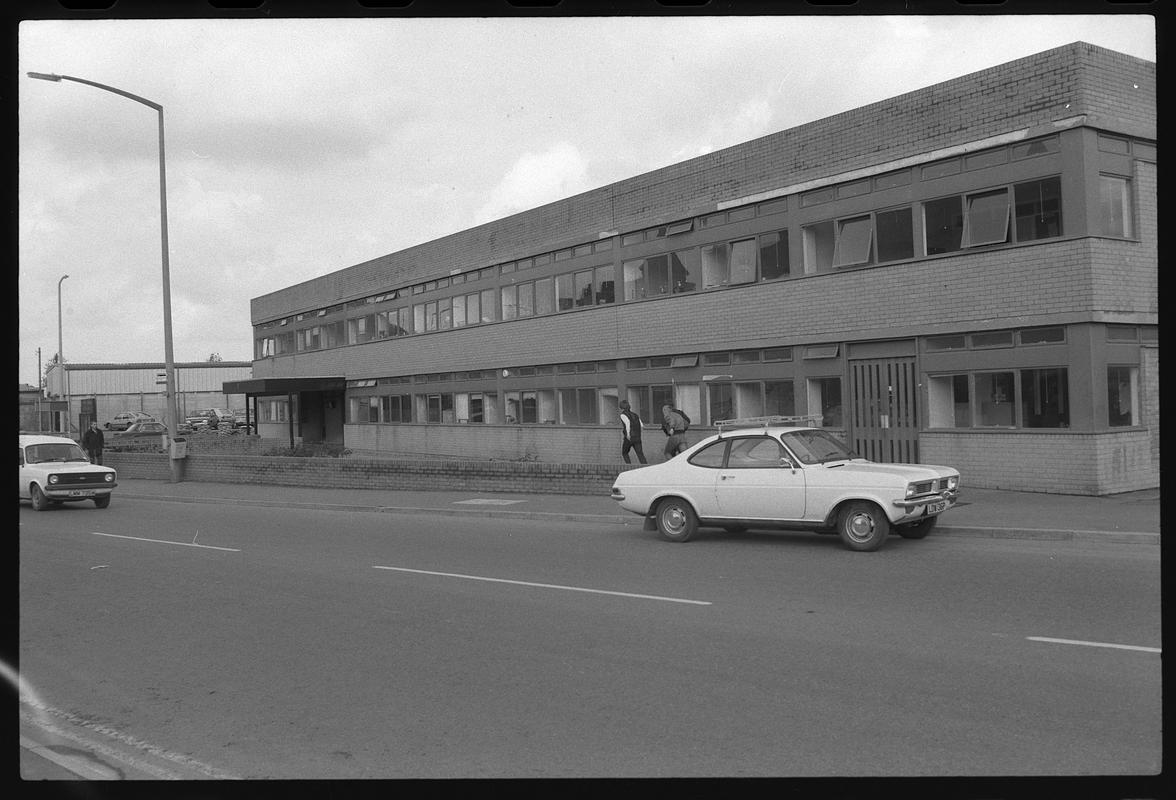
{"x": 165, "y": 541}
{"x": 487, "y": 501}
{"x": 548, "y": 586}
{"x": 1094, "y": 644}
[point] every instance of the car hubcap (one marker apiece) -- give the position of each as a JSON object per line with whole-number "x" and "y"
{"x": 673, "y": 520}
{"x": 861, "y": 527}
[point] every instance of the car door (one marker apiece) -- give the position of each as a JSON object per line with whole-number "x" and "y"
{"x": 22, "y": 477}
{"x": 758, "y": 482}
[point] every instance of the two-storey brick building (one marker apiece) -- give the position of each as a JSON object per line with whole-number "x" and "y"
{"x": 964, "y": 274}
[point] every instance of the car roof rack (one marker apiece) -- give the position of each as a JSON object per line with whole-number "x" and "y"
{"x": 807, "y": 420}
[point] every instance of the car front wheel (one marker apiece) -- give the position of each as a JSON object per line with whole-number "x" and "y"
{"x": 102, "y": 502}
{"x": 676, "y": 520}
{"x": 862, "y": 527}
{"x": 40, "y": 501}
{"x": 917, "y": 530}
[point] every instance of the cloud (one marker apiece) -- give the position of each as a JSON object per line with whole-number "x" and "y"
{"x": 749, "y": 121}
{"x": 535, "y": 179}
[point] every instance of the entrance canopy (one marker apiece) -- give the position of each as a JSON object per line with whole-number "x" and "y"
{"x": 272, "y": 386}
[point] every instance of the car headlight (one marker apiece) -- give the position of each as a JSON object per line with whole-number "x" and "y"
{"x": 109, "y": 478}
{"x": 53, "y": 479}
{"x": 910, "y": 490}
{"x": 953, "y": 482}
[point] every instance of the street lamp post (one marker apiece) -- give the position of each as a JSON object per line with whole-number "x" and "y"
{"x": 61, "y": 355}
{"x": 169, "y": 358}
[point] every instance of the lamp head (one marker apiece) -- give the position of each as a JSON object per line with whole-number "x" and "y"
{"x": 45, "y": 76}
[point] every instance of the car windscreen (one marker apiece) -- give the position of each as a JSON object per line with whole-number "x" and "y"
{"x": 816, "y": 446}
{"x": 66, "y": 451}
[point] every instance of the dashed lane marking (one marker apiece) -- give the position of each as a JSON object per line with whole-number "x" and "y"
{"x": 1094, "y": 644}
{"x": 548, "y": 586}
{"x": 165, "y": 541}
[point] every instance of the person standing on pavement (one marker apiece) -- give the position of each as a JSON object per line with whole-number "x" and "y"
{"x": 674, "y": 425}
{"x": 92, "y": 442}
{"x": 631, "y": 433}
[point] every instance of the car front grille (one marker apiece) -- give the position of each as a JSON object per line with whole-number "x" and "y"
{"x": 76, "y": 479}
{"x": 926, "y": 487}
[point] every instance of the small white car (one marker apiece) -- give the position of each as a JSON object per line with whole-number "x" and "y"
{"x": 759, "y": 473}
{"x": 54, "y": 470}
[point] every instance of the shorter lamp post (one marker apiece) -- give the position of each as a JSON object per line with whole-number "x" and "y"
{"x": 61, "y": 355}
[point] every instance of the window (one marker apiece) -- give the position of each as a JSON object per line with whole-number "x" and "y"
{"x": 895, "y": 234}
{"x": 773, "y": 255}
{"x": 439, "y": 408}
{"x": 743, "y": 261}
{"x": 994, "y": 399}
{"x": 943, "y": 225}
{"x": 545, "y": 296}
{"x": 1045, "y": 398}
{"x": 603, "y": 284}
{"x": 987, "y": 219}
{"x": 1122, "y": 396}
{"x": 526, "y": 301}
{"x": 1115, "y": 205}
{"x": 949, "y": 405}
{"x": 582, "y": 288}
{"x": 992, "y": 339}
{"x": 720, "y": 401}
{"x": 825, "y": 395}
{"x": 510, "y": 307}
{"x": 759, "y": 452}
{"x": 716, "y": 265}
{"x": 934, "y": 344}
{"x": 564, "y": 293}
{"x": 712, "y": 456}
{"x": 855, "y": 239}
{"x": 1043, "y": 335}
{"x": 397, "y": 408}
{"x": 779, "y": 399}
{"x": 818, "y": 246}
{"x": 1038, "y": 209}
{"x": 578, "y": 406}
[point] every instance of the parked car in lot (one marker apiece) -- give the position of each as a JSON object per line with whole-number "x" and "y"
{"x": 208, "y": 418}
{"x": 124, "y": 419}
{"x": 241, "y": 420}
{"x": 54, "y": 470}
{"x": 140, "y": 436}
{"x": 766, "y": 473}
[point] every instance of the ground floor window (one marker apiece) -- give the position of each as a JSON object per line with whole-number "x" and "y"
{"x": 273, "y": 410}
{"x": 824, "y": 395}
{"x": 1122, "y": 396}
{"x": 476, "y": 407}
{"x": 1027, "y": 398}
{"x": 741, "y": 399}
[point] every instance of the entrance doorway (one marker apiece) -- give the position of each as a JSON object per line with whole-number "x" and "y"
{"x": 884, "y": 420}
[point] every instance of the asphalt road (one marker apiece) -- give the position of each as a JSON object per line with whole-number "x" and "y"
{"x": 170, "y": 640}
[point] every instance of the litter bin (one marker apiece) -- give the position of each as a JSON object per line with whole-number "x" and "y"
{"x": 179, "y": 447}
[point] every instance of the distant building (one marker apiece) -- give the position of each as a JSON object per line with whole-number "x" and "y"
{"x": 965, "y": 274}
{"x": 99, "y": 391}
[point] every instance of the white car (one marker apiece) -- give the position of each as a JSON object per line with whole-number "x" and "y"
{"x": 759, "y": 473}
{"x": 54, "y": 470}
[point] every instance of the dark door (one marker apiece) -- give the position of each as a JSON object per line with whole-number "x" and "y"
{"x": 884, "y": 420}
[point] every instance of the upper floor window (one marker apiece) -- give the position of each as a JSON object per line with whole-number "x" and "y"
{"x": 1114, "y": 201}
{"x": 980, "y": 218}
{"x": 876, "y": 237}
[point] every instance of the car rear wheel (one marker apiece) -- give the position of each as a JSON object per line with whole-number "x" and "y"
{"x": 862, "y": 526}
{"x": 917, "y": 530}
{"x": 676, "y": 520}
{"x": 102, "y": 502}
{"x": 40, "y": 501}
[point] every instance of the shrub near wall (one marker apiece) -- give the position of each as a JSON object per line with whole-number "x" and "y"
{"x": 357, "y": 473}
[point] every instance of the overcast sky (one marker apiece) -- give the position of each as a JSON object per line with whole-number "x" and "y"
{"x": 295, "y": 148}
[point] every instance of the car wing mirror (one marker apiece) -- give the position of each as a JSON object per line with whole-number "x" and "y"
{"x": 786, "y": 462}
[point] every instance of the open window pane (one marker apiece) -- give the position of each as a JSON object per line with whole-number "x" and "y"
{"x": 854, "y": 237}
{"x": 988, "y": 218}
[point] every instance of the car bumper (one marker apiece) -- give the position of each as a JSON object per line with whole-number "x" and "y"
{"x": 917, "y": 505}
{"x": 76, "y": 493}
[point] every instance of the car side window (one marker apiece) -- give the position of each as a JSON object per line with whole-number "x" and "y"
{"x": 760, "y": 452}
{"x": 711, "y": 456}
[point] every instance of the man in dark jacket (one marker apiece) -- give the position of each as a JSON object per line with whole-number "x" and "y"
{"x": 631, "y": 433}
{"x": 92, "y": 442}
{"x": 674, "y": 425}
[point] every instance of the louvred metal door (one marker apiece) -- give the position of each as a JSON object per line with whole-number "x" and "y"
{"x": 884, "y": 420}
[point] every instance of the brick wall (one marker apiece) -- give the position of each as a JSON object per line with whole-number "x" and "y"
{"x": 1114, "y": 90}
{"x": 1061, "y": 463}
{"x": 352, "y": 473}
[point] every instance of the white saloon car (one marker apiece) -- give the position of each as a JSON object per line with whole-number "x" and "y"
{"x": 760, "y": 473}
{"x": 54, "y": 470}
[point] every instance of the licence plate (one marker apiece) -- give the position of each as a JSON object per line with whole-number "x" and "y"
{"x": 81, "y": 492}
{"x": 936, "y": 508}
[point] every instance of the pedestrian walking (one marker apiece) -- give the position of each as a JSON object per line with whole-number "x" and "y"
{"x": 92, "y": 442}
{"x": 675, "y": 423}
{"x": 631, "y": 433}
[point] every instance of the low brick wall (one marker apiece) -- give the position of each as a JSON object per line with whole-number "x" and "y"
{"x": 363, "y": 473}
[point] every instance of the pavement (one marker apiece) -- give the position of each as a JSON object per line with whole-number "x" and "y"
{"x": 1133, "y": 517}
